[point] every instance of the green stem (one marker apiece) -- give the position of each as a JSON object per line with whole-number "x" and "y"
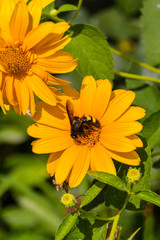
{"x": 114, "y": 226}
{"x": 141, "y": 64}
{"x": 116, "y": 218}
{"x": 76, "y": 13}
{"x": 92, "y": 215}
{"x": 137, "y": 77}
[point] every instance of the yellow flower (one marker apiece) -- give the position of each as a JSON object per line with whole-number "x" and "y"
{"x": 133, "y": 175}
{"x": 101, "y": 126}
{"x": 29, "y": 53}
{"x": 68, "y": 200}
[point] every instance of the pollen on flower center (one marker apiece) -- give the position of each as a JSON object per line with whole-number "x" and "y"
{"x": 15, "y": 61}
{"x": 86, "y": 130}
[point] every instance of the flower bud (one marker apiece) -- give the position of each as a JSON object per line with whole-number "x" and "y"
{"x": 133, "y": 175}
{"x": 68, "y": 200}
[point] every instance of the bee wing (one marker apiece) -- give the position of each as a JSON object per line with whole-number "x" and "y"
{"x": 70, "y": 111}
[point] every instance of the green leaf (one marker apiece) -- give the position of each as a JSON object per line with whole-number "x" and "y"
{"x": 92, "y": 193}
{"x": 148, "y": 98}
{"x": 100, "y": 234}
{"x": 149, "y": 196}
{"x": 151, "y": 130}
{"x": 66, "y": 226}
{"x": 145, "y": 167}
{"x": 85, "y": 229}
{"x": 150, "y": 26}
{"x": 66, "y": 7}
{"x": 109, "y": 179}
{"x": 89, "y": 45}
{"x": 115, "y": 198}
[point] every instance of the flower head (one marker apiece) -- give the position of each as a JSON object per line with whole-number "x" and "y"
{"x": 98, "y": 125}
{"x": 68, "y": 200}
{"x": 133, "y": 175}
{"x": 29, "y": 52}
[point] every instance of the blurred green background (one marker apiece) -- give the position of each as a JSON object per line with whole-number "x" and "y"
{"x": 30, "y": 207}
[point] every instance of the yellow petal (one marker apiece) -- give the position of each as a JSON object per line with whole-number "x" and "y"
{"x": 56, "y": 144}
{"x": 60, "y": 27}
{"x": 1, "y": 92}
{"x": 6, "y": 11}
{"x": 1, "y": 102}
{"x": 117, "y": 143}
{"x": 2, "y": 42}
{"x": 38, "y": 34}
{"x": 132, "y": 113}
{"x": 136, "y": 141}
{"x": 80, "y": 167}
{"x": 35, "y": 10}
{"x": 55, "y": 35}
{"x": 117, "y": 93}
{"x": 52, "y": 162}
{"x": 52, "y": 80}
{"x": 45, "y": 3}
{"x": 39, "y": 72}
{"x": 19, "y": 21}
{"x": 46, "y": 50}
{"x": 118, "y": 106}
{"x": 101, "y": 98}
{"x": 24, "y": 92}
{"x": 66, "y": 162}
{"x": 41, "y": 89}
{"x": 60, "y": 62}
{"x": 122, "y": 128}
{"x": 51, "y": 116}
{"x": 9, "y": 89}
{"x": 70, "y": 92}
{"x": 31, "y": 102}
{"x": 43, "y": 131}
{"x": 87, "y": 93}
{"x": 101, "y": 159}
{"x": 130, "y": 158}
{"x": 7, "y": 38}
{"x": 18, "y": 94}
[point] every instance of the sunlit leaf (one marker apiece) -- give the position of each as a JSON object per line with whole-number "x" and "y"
{"x": 89, "y": 45}
{"x": 92, "y": 193}
{"x": 109, "y": 179}
{"x": 66, "y": 7}
{"x": 100, "y": 233}
{"x": 67, "y": 224}
{"x": 149, "y": 196}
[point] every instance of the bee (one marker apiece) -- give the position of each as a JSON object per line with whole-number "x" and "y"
{"x": 80, "y": 126}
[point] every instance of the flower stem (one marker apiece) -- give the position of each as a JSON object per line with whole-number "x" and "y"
{"x": 114, "y": 226}
{"x": 141, "y": 64}
{"x": 92, "y": 215}
{"x": 116, "y": 218}
{"x": 76, "y": 13}
{"x": 137, "y": 77}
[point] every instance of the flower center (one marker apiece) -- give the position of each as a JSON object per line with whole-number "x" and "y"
{"x": 86, "y": 130}
{"x": 15, "y": 61}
